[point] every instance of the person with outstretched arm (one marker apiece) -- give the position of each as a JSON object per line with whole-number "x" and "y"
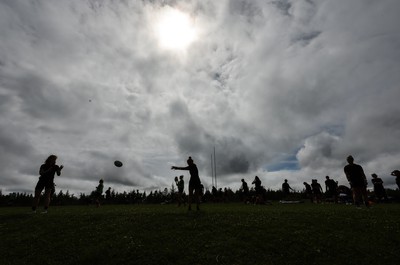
{"x": 194, "y": 182}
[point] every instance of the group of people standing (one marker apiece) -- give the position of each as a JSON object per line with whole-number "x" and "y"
{"x": 314, "y": 191}
{"x": 354, "y": 174}
{"x": 358, "y": 185}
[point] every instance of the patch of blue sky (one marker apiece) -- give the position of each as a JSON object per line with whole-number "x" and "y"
{"x": 288, "y": 163}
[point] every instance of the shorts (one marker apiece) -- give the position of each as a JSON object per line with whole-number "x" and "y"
{"x": 47, "y": 185}
{"x": 194, "y": 184}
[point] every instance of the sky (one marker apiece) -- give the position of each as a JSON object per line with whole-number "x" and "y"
{"x": 282, "y": 89}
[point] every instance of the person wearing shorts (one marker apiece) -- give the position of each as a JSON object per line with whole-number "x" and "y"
{"x": 357, "y": 180}
{"x": 46, "y": 182}
{"x": 194, "y": 182}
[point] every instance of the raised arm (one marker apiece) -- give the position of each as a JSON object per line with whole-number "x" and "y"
{"x": 58, "y": 170}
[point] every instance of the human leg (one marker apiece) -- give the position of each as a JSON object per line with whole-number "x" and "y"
{"x": 197, "y": 197}
{"x": 357, "y": 196}
{"x": 190, "y": 197}
{"x": 38, "y": 191}
{"x": 365, "y": 196}
{"x": 36, "y": 199}
{"x": 47, "y": 194}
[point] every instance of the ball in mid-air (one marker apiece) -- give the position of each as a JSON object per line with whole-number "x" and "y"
{"x": 118, "y": 163}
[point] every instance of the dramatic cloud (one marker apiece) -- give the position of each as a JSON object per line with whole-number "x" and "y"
{"x": 281, "y": 89}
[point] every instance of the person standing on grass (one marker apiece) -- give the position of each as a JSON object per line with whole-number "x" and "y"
{"x": 396, "y": 173}
{"x": 245, "y": 191}
{"x": 108, "y": 194}
{"x": 308, "y": 191}
{"x": 286, "y": 188}
{"x": 331, "y": 189}
{"x": 98, "y": 193}
{"x": 194, "y": 182}
{"x": 259, "y": 191}
{"x": 46, "y": 182}
{"x": 379, "y": 190}
{"x": 181, "y": 186}
{"x": 316, "y": 190}
{"x": 357, "y": 180}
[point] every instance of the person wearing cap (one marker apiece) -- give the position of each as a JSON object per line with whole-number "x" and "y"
{"x": 379, "y": 190}
{"x": 396, "y": 173}
{"x": 194, "y": 182}
{"x": 357, "y": 180}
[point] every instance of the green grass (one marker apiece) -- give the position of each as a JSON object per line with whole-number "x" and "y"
{"x": 218, "y": 234}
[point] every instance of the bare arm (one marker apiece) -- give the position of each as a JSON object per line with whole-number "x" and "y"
{"x": 179, "y": 168}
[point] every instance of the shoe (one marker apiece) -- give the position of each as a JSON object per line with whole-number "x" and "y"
{"x": 44, "y": 212}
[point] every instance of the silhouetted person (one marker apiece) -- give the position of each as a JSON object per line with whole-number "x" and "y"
{"x": 308, "y": 191}
{"x": 358, "y": 181}
{"x": 98, "y": 193}
{"x": 331, "y": 189}
{"x": 108, "y": 194}
{"x": 214, "y": 193}
{"x": 396, "y": 173}
{"x": 379, "y": 190}
{"x": 194, "y": 182}
{"x": 286, "y": 188}
{"x": 259, "y": 190}
{"x": 46, "y": 182}
{"x": 316, "y": 190}
{"x": 245, "y": 191}
{"x": 180, "y": 183}
{"x": 201, "y": 190}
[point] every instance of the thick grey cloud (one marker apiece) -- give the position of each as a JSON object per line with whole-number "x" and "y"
{"x": 281, "y": 89}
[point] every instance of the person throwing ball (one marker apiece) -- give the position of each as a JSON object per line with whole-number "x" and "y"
{"x": 194, "y": 182}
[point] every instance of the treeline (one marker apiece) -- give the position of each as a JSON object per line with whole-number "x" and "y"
{"x": 161, "y": 197}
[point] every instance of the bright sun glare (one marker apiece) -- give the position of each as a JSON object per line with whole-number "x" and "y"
{"x": 175, "y": 30}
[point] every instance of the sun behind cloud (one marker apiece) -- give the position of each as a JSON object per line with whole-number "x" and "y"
{"x": 175, "y": 30}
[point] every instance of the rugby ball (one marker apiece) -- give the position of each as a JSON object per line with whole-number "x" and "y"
{"x": 118, "y": 163}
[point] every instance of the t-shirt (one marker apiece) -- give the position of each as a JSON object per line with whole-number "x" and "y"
{"x": 316, "y": 187}
{"x": 47, "y": 172}
{"x": 99, "y": 189}
{"x": 331, "y": 184}
{"x": 285, "y": 187}
{"x": 355, "y": 175}
{"x": 181, "y": 185}
{"x": 378, "y": 183}
{"x": 245, "y": 187}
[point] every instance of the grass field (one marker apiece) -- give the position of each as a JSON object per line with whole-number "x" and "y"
{"x": 218, "y": 234}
